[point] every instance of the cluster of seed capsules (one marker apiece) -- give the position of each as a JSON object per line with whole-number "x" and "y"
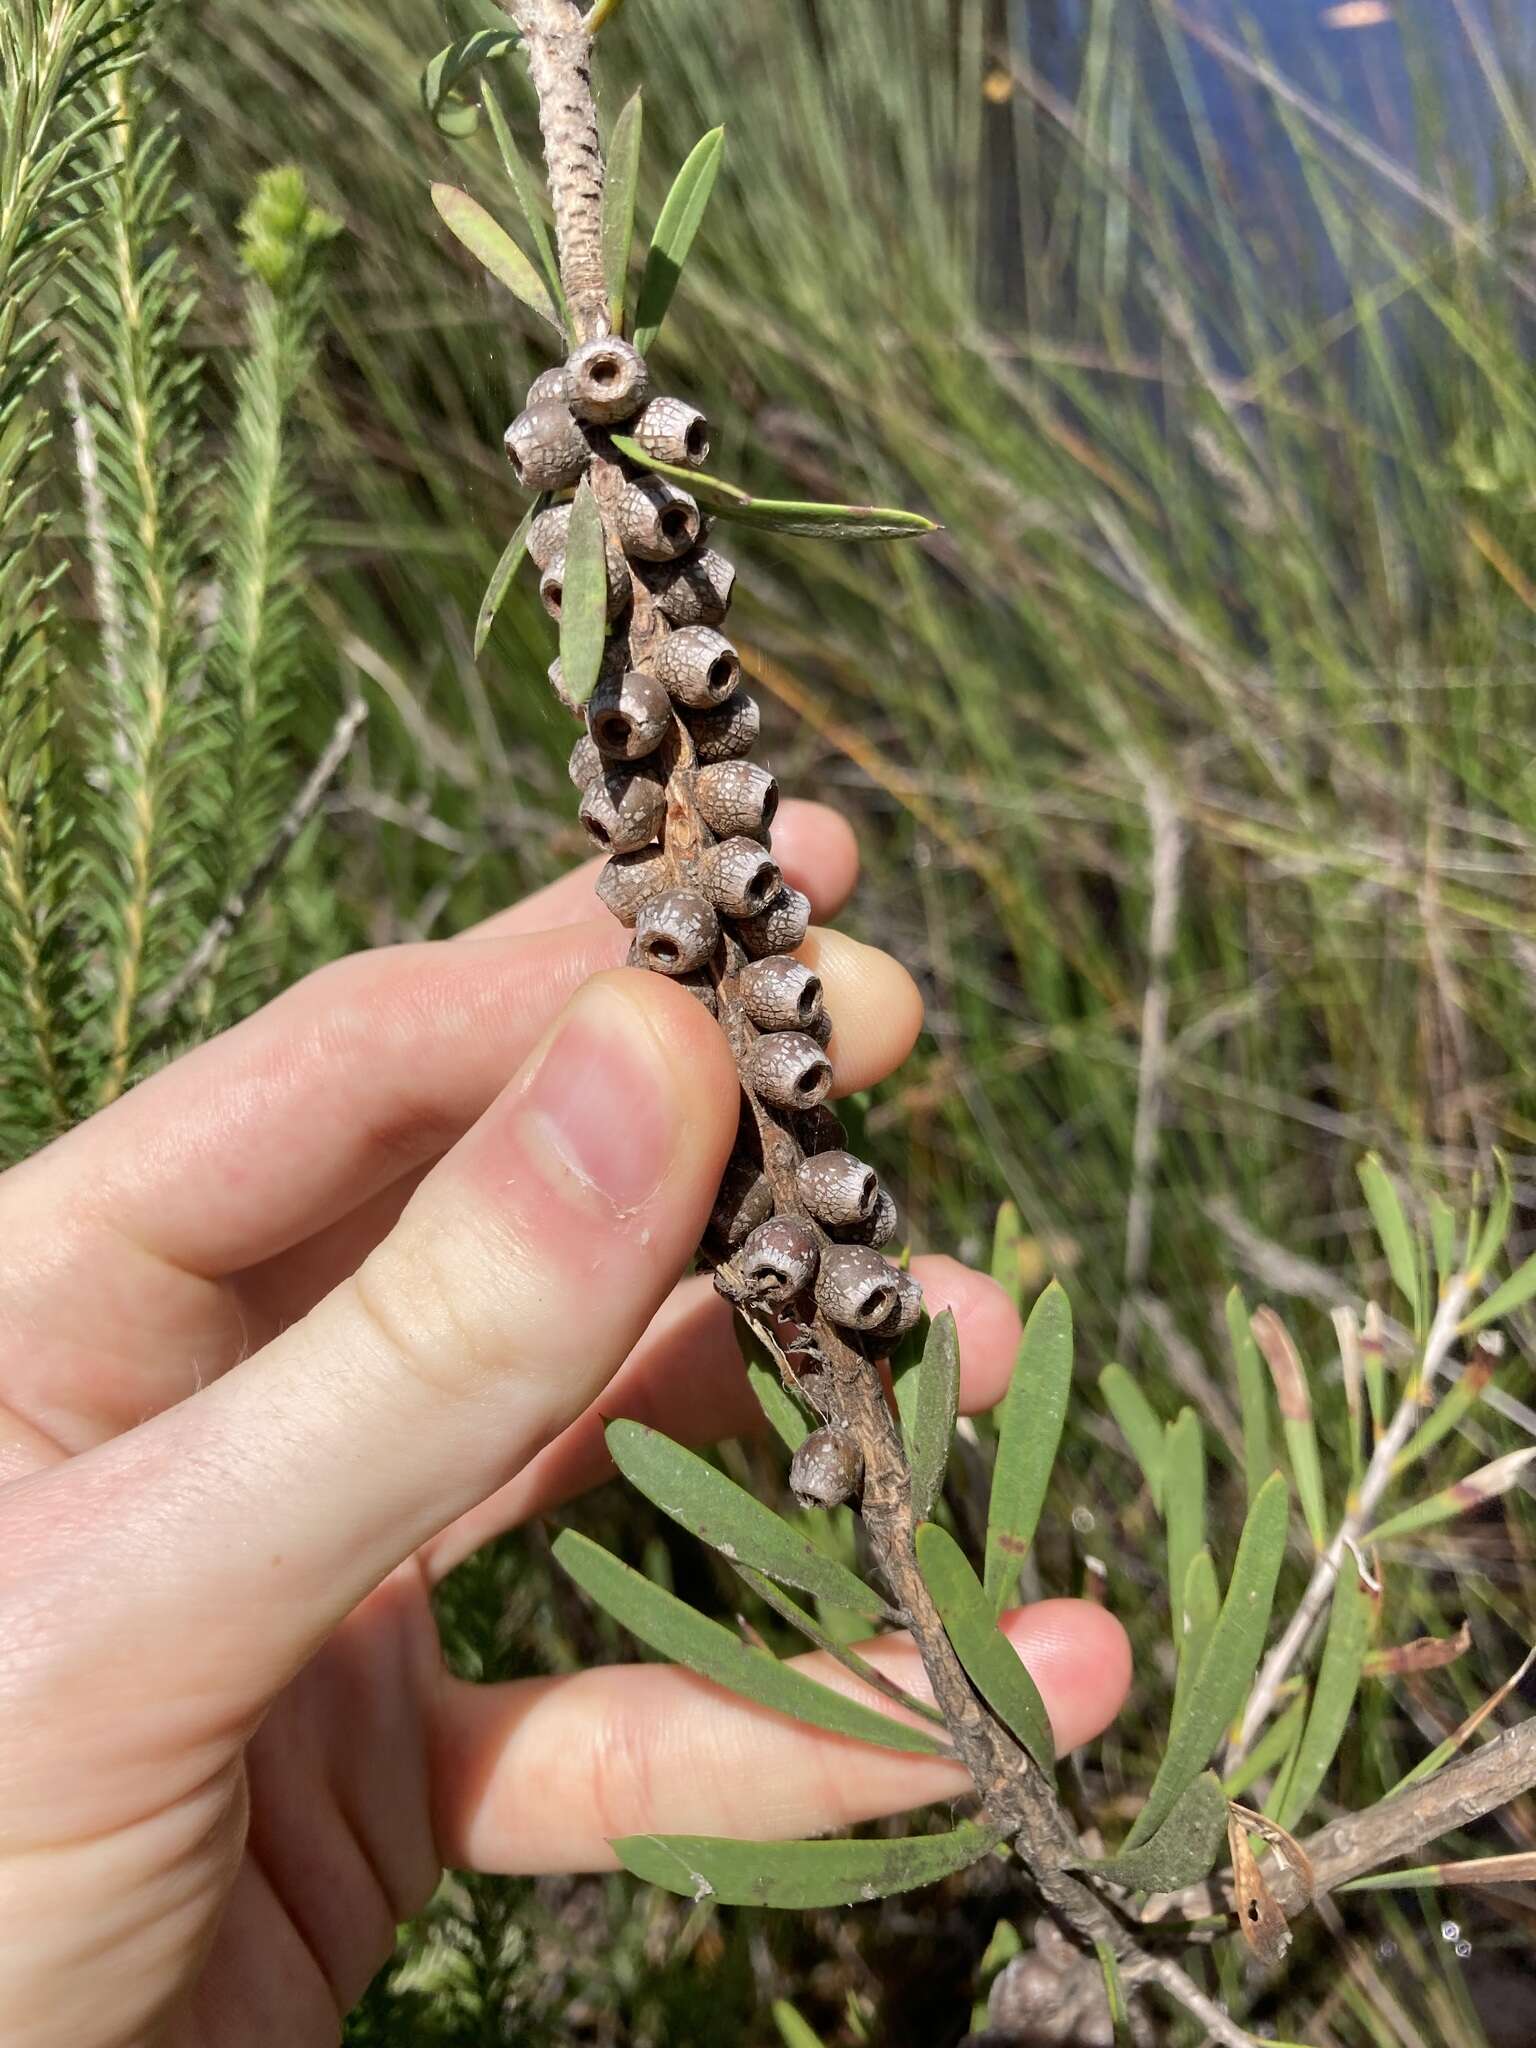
{"x": 669, "y": 794}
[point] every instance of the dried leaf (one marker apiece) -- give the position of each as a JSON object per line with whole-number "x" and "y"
{"x": 991, "y": 1662}
{"x": 491, "y": 245}
{"x": 729, "y": 1519}
{"x": 1285, "y": 1844}
{"x": 800, "y": 1874}
{"x": 674, "y": 1629}
{"x": 1442, "y": 1754}
{"x": 1258, "y": 1912}
{"x": 676, "y": 226}
{"x": 1425, "y": 1653}
{"x": 1029, "y": 1434}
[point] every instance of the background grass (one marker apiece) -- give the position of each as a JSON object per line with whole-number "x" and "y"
{"x": 1193, "y": 760}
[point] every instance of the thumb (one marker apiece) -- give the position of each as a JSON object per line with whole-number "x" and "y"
{"x": 246, "y": 1522}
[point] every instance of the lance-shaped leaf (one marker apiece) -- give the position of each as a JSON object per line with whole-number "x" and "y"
{"x": 1295, "y": 1401}
{"x": 1491, "y": 1240}
{"x": 777, "y": 1403}
{"x": 1220, "y": 1686}
{"x": 1252, "y": 1395}
{"x": 730, "y": 1520}
{"x": 490, "y": 244}
{"x": 935, "y": 1402}
{"x": 1114, "y": 1992}
{"x": 791, "y": 1611}
{"x": 1183, "y": 1500}
{"x": 1519, "y": 1868}
{"x": 1138, "y": 1424}
{"x": 1029, "y": 1433}
{"x": 1485, "y": 1484}
{"x": 1274, "y": 1749}
{"x": 800, "y": 1874}
{"x": 501, "y": 576}
{"x": 676, "y": 226}
{"x": 1395, "y": 1233}
{"x": 676, "y": 1630}
{"x": 1442, "y": 1237}
{"x": 525, "y": 187}
{"x": 991, "y": 1662}
{"x": 454, "y": 64}
{"x": 1515, "y": 1293}
{"x": 1194, "y": 1618}
{"x": 584, "y": 599}
{"x": 1184, "y": 1848}
{"x": 1333, "y": 1698}
{"x": 619, "y": 182}
{"x": 1007, "y": 1249}
{"x": 1346, "y": 1327}
{"x": 783, "y": 515}
{"x": 1449, "y": 1412}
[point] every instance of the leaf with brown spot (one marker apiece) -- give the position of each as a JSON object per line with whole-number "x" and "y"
{"x": 1264, "y": 1926}
{"x": 1425, "y": 1653}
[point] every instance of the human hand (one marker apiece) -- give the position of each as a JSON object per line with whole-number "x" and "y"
{"x": 286, "y": 1333}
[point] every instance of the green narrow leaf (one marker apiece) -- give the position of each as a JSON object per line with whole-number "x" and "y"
{"x": 774, "y": 1398}
{"x": 1442, "y": 1236}
{"x": 821, "y": 1638}
{"x": 1293, "y": 1394}
{"x": 1138, "y": 1424}
{"x": 1394, "y": 1231}
{"x": 800, "y": 1874}
{"x": 1252, "y": 1395}
{"x": 619, "y": 181}
{"x": 936, "y": 1403}
{"x": 501, "y": 576}
{"x": 491, "y": 245}
{"x": 1114, "y": 1992}
{"x": 1453, "y": 1407}
{"x": 783, "y": 515}
{"x": 673, "y": 1629}
{"x": 1333, "y": 1698}
{"x": 1274, "y": 1746}
{"x": 906, "y": 1368}
{"x": 1194, "y": 1618}
{"x": 1496, "y": 1229}
{"x": 584, "y": 601}
{"x": 1029, "y": 1435}
{"x": 793, "y": 2030}
{"x": 455, "y": 63}
{"x": 730, "y": 1520}
{"x": 1183, "y": 1500}
{"x": 676, "y": 226}
{"x": 1485, "y": 1484}
{"x": 526, "y": 192}
{"x": 1515, "y": 1293}
{"x": 1184, "y": 1848}
{"x": 1220, "y": 1686}
{"x": 991, "y": 1662}
{"x": 1007, "y": 1244}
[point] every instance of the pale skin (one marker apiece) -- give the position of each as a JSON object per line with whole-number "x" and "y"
{"x": 286, "y": 1333}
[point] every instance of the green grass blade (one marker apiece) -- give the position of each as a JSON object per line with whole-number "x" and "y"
{"x": 1232, "y": 1656}
{"x": 1183, "y": 1849}
{"x": 1338, "y": 1681}
{"x": 935, "y": 1404}
{"x": 800, "y": 1874}
{"x": 1252, "y": 1395}
{"x": 673, "y": 1629}
{"x": 619, "y": 183}
{"x": 1138, "y": 1424}
{"x": 501, "y": 576}
{"x": 676, "y": 226}
{"x": 490, "y": 244}
{"x": 526, "y": 192}
{"x": 1029, "y": 1435}
{"x": 730, "y": 1520}
{"x": 991, "y": 1662}
{"x": 584, "y": 602}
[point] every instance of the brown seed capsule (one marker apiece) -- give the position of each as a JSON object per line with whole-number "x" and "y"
{"x": 673, "y": 431}
{"x": 655, "y": 520}
{"x": 606, "y": 380}
{"x": 621, "y": 811}
{"x": 585, "y": 762}
{"x": 877, "y": 1228}
{"x": 546, "y": 448}
{"x": 780, "y": 994}
{"x": 855, "y": 1287}
{"x": 778, "y": 1261}
{"x": 738, "y": 877}
{"x": 838, "y": 1188}
{"x": 629, "y": 881}
{"x": 736, "y": 798}
{"x": 552, "y": 582}
{"x": 549, "y": 384}
{"x": 677, "y": 932}
{"x": 699, "y": 666}
{"x": 826, "y": 1470}
{"x": 778, "y": 927}
{"x": 546, "y": 536}
{"x": 788, "y": 1069}
{"x": 694, "y": 591}
{"x": 726, "y": 734}
{"x": 628, "y": 715}
{"x": 745, "y": 1200}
